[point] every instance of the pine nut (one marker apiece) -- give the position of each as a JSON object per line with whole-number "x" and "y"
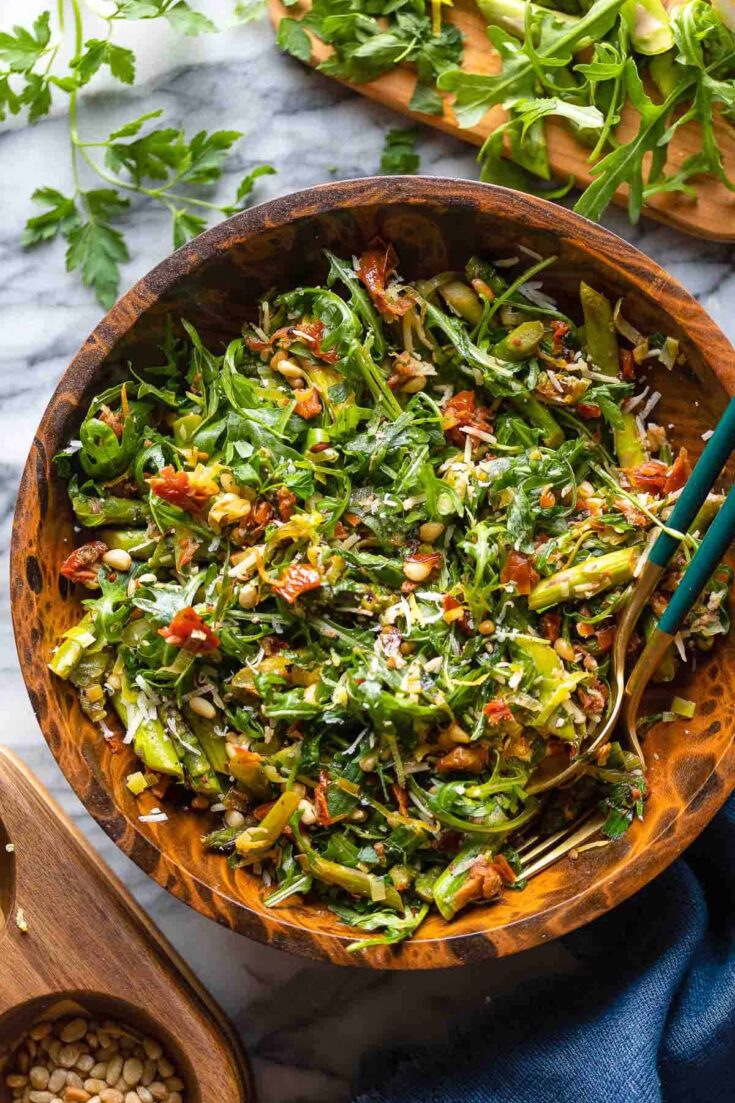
{"x": 564, "y": 649}
{"x": 85, "y": 1062}
{"x": 143, "y": 1094}
{"x": 76, "y": 1095}
{"x": 73, "y": 1080}
{"x": 174, "y": 1084}
{"x": 132, "y": 1071}
{"x": 202, "y": 707}
{"x": 114, "y": 1070}
{"x": 16, "y": 1080}
{"x": 68, "y": 1056}
{"x": 95, "y": 1086}
{"x": 308, "y": 814}
{"x": 77, "y": 1028}
{"x": 249, "y": 596}
{"x": 132, "y": 1097}
{"x": 153, "y": 1048}
{"x": 486, "y": 627}
{"x": 430, "y": 531}
{"x": 57, "y": 1080}
{"x": 39, "y": 1076}
{"x": 158, "y": 1090}
{"x": 98, "y": 1071}
{"x": 233, "y": 818}
{"x": 416, "y": 571}
{"x": 118, "y": 560}
{"x": 112, "y": 1095}
{"x": 40, "y": 1097}
{"x": 40, "y": 1030}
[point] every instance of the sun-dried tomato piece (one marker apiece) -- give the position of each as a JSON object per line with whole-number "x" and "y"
{"x": 296, "y": 580}
{"x": 375, "y": 267}
{"x": 519, "y": 570}
{"x": 550, "y": 626}
{"x": 252, "y": 527}
{"x": 606, "y": 638}
{"x": 497, "y": 712}
{"x": 483, "y": 883}
{"x": 559, "y": 330}
{"x": 401, "y": 798}
{"x": 588, "y": 410}
{"x": 462, "y": 411}
{"x": 627, "y": 365}
{"x": 188, "y": 547}
{"x": 188, "y": 631}
{"x": 456, "y": 613}
{"x": 547, "y": 498}
{"x": 308, "y": 404}
{"x": 649, "y": 476}
{"x": 286, "y": 502}
{"x": 175, "y": 487}
{"x": 679, "y": 472}
{"x": 471, "y": 760}
{"x": 313, "y": 335}
{"x": 82, "y": 564}
{"x": 321, "y": 805}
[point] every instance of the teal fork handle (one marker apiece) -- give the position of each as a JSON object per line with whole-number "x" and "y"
{"x": 698, "y": 485}
{"x": 708, "y": 557}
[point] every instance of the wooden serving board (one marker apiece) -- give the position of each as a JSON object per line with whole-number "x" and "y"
{"x": 711, "y": 215}
{"x": 90, "y": 948}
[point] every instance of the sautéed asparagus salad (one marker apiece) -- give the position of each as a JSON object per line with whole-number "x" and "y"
{"x": 352, "y": 581}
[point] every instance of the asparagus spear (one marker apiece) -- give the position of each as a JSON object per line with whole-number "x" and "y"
{"x": 463, "y": 301}
{"x": 92, "y": 511}
{"x": 538, "y": 414}
{"x": 75, "y": 641}
{"x": 151, "y": 743}
{"x": 133, "y": 541}
{"x": 628, "y": 444}
{"x": 521, "y": 343}
{"x": 212, "y": 744}
{"x": 195, "y": 762}
{"x": 353, "y": 881}
{"x": 602, "y": 343}
{"x": 253, "y": 843}
{"x": 592, "y": 576}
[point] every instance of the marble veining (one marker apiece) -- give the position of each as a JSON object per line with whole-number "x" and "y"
{"x": 314, "y": 1033}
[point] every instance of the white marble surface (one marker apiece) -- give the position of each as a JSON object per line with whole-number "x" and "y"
{"x": 309, "y": 1029}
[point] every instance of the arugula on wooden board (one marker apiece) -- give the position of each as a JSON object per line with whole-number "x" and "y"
{"x": 581, "y": 62}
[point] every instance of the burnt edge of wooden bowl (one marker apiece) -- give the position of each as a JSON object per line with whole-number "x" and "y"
{"x": 699, "y": 777}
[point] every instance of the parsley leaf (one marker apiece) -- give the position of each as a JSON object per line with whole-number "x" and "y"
{"x": 95, "y": 247}
{"x": 61, "y": 217}
{"x": 97, "y": 53}
{"x": 399, "y": 155}
{"x": 22, "y": 49}
{"x": 293, "y": 39}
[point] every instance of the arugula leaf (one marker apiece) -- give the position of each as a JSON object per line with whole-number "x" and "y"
{"x": 399, "y": 156}
{"x": 426, "y": 99}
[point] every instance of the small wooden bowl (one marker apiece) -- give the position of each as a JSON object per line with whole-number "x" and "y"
{"x": 89, "y": 949}
{"x": 214, "y": 282}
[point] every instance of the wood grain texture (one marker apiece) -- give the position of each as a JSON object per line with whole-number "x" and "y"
{"x": 215, "y": 282}
{"x": 711, "y": 215}
{"x": 88, "y": 942}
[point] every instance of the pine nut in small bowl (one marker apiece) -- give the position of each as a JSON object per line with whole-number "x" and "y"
{"x": 113, "y": 1017}
{"x": 381, "y": 520}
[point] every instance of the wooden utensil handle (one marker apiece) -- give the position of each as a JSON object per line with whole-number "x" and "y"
{"x": 88, "y": 939}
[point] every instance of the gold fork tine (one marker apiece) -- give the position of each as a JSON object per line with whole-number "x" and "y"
{"x": 579, "y": 834}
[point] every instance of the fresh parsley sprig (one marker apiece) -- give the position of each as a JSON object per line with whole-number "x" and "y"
{"x": 157, "y": 163}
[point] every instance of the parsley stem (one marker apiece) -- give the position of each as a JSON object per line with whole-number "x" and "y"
{"x": 73, "y": 134}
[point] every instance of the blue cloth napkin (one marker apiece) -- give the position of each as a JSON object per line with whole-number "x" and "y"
{"x": 647, "y": 1014}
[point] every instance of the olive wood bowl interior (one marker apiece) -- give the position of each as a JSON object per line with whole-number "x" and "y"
{"x": 214, "y": 282}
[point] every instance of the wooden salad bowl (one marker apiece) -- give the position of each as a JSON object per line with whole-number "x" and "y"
{"x": 215, "y": 282}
